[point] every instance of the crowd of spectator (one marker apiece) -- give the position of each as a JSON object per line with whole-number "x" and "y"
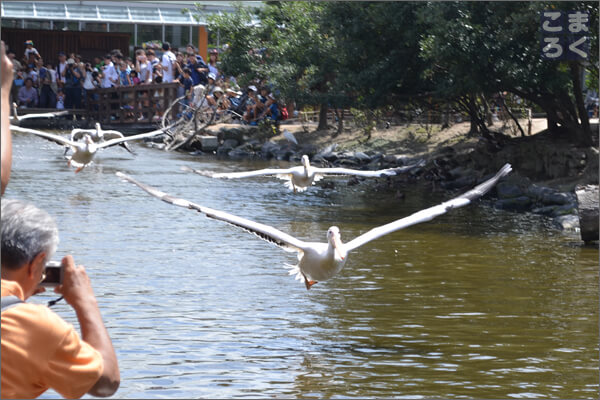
{"x": 39, "y": 84}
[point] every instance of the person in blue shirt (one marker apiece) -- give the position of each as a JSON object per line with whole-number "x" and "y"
{"x": 198, "y": 70}
{"x": 124, "y": 78}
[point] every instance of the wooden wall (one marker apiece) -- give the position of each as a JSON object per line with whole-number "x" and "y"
{"x": 50, "y": 43}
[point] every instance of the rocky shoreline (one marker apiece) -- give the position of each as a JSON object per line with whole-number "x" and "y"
{"x": 448, "y": 168}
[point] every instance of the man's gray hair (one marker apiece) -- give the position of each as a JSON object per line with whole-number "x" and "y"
{"x": 26, "y": 232}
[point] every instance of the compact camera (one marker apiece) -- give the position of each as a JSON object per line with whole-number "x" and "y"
{"x": 54, "y": 274}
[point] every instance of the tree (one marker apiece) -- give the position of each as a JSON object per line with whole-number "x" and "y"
{"x": 485, "y": 47}
{"x": 287, "y": 48}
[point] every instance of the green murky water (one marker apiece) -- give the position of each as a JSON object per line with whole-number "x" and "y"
{"x": 478, "y": 303}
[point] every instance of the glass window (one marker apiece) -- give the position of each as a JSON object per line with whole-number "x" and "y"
{"x": 145, "y": 14}
{"x": 112, "y": 13}
{"x": 124, "y": 28}
{"x": 174, "y": 15}
{"x": 147, "y": 33}
{"x": 177, "y": 35}
{"x": 17, "y": 9}
{"x": 94, "y": 26}
{"x": 71, "y": 26}
{"x": 36, "y": 24}
{"x": 11, "y": 23}
{"x": 82, "y": 12}
{"x": 56, "y": 11}
{"x": 195, "y": 36}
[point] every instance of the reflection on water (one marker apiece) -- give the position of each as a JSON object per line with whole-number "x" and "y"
{"x": 478, "y": 303}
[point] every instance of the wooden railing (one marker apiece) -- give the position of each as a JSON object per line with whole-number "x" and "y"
{"x": 131, "y": 104}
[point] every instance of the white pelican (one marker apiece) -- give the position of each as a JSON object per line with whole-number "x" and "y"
{"x": 16, "y": 116}
{"x": 300, "y": 178}
{"x": 289, "y": 136}
{"x": 83, "y": 153}
{"x": 99, "y": 135}
{"x": 321, "y": 261}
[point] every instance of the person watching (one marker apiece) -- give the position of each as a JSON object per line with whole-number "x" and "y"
{"x": 39, "y": 349}
{"x": 28, "y": 96}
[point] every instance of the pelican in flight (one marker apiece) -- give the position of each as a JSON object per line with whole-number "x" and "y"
{"x": 19, "y": 118}
{"x": 84, "y": 152}
{"x": 321, "y": 261}
{"x": 300, "y": 178}
{"x": 98, "y": 135}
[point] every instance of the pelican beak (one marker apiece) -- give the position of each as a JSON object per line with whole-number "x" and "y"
{"x": 337, "y": 244}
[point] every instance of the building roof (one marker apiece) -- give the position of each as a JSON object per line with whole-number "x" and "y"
{"x": 141, "y": 12}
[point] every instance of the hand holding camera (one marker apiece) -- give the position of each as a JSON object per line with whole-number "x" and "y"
{"x": 76, "y": 287}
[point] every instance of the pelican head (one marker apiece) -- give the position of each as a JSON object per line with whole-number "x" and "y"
{"x": 97, "y": 126}
{"x": 335, "y": 240}
{"x": 306, "y": 164}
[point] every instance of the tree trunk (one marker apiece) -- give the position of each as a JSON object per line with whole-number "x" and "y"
{"x": 323, "y": 118}
{"x": 584, "y": 134}
{"x": 511, "y": 115}
{"x": 340, "y": 122}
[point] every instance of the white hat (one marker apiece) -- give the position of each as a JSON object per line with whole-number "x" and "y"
{"x": 70, "y": 61}
{"x": 253, "y": 88}
{"x": 217, "y": 89}
{"x": 233, "y": 91}
{"x": 212, "y": 76}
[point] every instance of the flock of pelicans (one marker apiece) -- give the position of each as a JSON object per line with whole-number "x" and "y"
{"x": 316, "y": 261}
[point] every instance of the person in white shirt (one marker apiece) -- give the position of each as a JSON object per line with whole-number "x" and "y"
{"x": 152, "y": 59}
{"x": 109, "y": 74}
{"x": 142, "y": 66}
{"x": 29, "y": 49}
{"x": 168, "y": 63}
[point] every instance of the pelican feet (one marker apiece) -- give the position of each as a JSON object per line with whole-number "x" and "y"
{"x": 308, "y": 283}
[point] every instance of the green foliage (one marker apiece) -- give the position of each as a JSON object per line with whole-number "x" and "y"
{"x": 373, "y": 54}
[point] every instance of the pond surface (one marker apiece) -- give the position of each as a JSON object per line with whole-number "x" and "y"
{"x": 478, "y": 303}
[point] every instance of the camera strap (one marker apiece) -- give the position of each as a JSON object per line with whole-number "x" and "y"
{"x": 10, "y": 301}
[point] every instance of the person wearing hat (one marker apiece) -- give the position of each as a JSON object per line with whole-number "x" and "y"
{"x": 233, "y": 96}
{"x": 213, "y": 100}
{"x": 29, "y": 49}
{"x": 251, "y": 103}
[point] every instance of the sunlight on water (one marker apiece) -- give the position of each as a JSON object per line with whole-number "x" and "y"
{"x": 478, "y": 303}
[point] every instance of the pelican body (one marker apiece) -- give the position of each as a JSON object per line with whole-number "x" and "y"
{"x": 83, "y": 153}
{"x": 302, "y": 177}
{"x": 321, "y": 261}
{"x": 98, "y": 135}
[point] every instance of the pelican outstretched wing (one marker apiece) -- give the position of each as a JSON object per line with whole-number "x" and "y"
{"x": 114, "y": 142}
{"x": 265, "y": 232}
{"x": 367, "y": 173}
{"x": 111, "y": 134}
{"x": 235, "y": 175}
{"x": 49, "y": 136}
{"x": 429, "y": 213}
{"x": 39, "y": 115}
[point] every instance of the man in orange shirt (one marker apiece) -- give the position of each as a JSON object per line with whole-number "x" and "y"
{"x": 39, "y": 349}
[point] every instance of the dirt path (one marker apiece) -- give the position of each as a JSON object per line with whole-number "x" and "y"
{"x": 413, "y": 139}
